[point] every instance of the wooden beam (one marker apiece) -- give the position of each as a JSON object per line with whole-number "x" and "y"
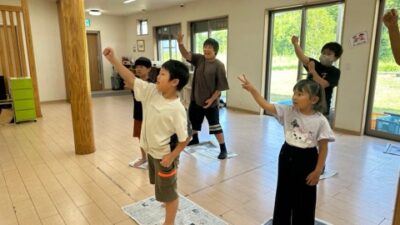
{"x": 21, "y": 47}
{"x": 2, "y": 55}
{"x": 10, "y": 69}
{"x": 31, "y": 56}
{"x": 10, "y": 8}
{"x": 76, "y": 64}
{"x": 14, "y": 43}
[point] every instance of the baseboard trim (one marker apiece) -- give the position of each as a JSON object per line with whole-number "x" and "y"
{"x": 54, "y": 101}
{"x": 242, "y": 110}
{"x": 350, "y": 132}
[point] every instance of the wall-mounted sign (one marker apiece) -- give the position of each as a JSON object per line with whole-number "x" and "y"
{"x": 87, "y": 22}
{"x": 359, "y": 39}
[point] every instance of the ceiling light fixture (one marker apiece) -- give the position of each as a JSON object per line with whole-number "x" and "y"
{"x": 128, "y": 1}
{"x": 94, "y": 12}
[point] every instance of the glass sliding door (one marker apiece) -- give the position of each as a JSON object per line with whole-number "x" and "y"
{"x": 314, "y": 25}
{"x": 283, "y": 70}
{"x": 323, "y": 24}
{"x": 383, "y": 117}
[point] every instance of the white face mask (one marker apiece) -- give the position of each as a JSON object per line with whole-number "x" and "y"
{"x": 326, "y": 60}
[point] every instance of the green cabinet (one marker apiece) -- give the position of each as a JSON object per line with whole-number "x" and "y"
{"x": 22, "y": 95}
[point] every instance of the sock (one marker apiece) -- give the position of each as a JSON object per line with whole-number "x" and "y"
{"x": 195, "y": 139}
{"x": 224, "y": 153}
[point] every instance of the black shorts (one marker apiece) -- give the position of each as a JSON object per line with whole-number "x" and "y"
{"x": 197, "y": 114}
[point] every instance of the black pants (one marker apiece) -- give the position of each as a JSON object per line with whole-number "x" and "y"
{"x": 295, "y": 200}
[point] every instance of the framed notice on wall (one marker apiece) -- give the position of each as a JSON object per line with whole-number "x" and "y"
{"x": 140, "y": 45}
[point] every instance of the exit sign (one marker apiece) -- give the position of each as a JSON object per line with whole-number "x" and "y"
{"x": 87, "y": 22}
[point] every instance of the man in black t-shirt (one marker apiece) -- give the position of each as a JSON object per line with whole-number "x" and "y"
{"x": 322, "y": 71}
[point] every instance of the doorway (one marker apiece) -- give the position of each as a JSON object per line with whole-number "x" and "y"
{"x": 95, "y": 63}
{"x": 315, "y": 25}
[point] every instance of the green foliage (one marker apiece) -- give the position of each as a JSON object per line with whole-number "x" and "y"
{"x": 321, "y": 27}
{"x": 199, "y": 40}
{"x": 388, "y": 66}
{"x": 220, "y": 35}
{"x": 286, "y": 24}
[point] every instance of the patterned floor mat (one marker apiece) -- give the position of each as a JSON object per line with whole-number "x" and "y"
{"x": 207, "y": 151}
{"x": 151, "y": 212}
{"x": 392, "y": 149}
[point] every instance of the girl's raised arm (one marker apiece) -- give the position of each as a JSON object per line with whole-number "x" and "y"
{"x": 256, "y": 95}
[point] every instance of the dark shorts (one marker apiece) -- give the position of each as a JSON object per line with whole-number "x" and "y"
{"x": 197, "y": 114}
{"x": 164, "y": 179}
{"x": 137, "y": 127}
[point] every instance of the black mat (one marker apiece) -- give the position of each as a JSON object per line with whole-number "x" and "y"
{"x": 317, "y": 222}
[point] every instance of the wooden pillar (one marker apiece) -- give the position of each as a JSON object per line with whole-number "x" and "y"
{"x": 76, "y": 69}
{"x": 63, "y": 47}
{"x": 31, "y": 56}
{"x": 396, "y": 215}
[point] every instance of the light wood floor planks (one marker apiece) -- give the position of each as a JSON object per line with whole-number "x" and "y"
{"x": 42, "y": 181}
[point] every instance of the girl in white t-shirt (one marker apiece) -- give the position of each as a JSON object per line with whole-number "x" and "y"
{"x": 302, "y": 157}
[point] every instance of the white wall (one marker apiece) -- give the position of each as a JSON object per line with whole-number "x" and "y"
{"x": 246, "y": 54}
{"x": 353, "y": 89}
{"x": 47, "y": 46}
{"x": 47, "y": 49}
{"x": 112, "y": 33}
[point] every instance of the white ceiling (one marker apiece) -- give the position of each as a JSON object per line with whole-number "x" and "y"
{"x": 117, "y": 7}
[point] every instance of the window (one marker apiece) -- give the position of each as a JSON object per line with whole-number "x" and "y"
{"x": 167, "y": 45}
{"x": 383, "y": 114}
{"x": 142, "y": 28}
{"x": 315, "y": 25}
{"x": 217, "y": 29}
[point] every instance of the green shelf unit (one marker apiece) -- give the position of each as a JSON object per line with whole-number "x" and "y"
{"x": 22, "y": 96}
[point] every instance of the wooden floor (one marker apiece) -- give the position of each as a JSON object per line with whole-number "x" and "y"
{"x": 42, "y": 181}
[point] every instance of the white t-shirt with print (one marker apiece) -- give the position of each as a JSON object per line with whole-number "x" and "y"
{"x": 303, "y": 131}
{"x": 162, "y": 118}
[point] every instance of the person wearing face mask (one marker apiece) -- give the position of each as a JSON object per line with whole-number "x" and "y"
{"x": 322, "y": 71}
{"x": 209, "y": 80}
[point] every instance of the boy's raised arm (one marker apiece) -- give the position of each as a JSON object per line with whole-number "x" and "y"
{"x": 299, "y": 52}
{"x": 259, "y": 99}
{"x": 125, "y": 73}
